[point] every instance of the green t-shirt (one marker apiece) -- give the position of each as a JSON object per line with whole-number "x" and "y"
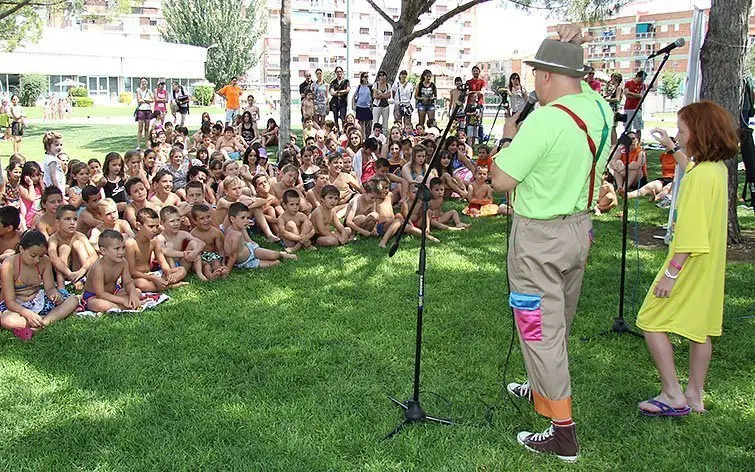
{"x": 550, "y": 157}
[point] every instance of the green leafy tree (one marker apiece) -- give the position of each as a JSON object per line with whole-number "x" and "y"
{"x": 499, "y": 82}
{"x": 229, "y": 28}
{"x": 203, "y": 94}
{"x": 405, "y": 28}
{"x": 23, "y": 20}
{"x": 671, "y": 86}
{"x": 31, "y": 87}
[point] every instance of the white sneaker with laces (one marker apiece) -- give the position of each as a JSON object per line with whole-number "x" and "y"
{"x": 520, "y": 390}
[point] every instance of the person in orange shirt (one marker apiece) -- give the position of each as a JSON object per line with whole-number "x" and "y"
{"x": 231, "y": 93}
{"x": 659, "y": 188}
{"x": 629, "y": 164}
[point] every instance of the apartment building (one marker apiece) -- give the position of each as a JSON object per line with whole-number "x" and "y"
{"x": 623, "y": 43}
{"x": 319, "y": 40}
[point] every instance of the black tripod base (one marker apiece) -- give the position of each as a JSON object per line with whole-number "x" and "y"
{"x": 619, "y": 327}
{"x": 413, "y": 413}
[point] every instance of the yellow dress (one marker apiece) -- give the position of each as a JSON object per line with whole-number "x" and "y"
{"x": 695, "y": 306}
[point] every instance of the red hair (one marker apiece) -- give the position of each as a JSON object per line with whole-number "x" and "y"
{"x": 713, "y": 134}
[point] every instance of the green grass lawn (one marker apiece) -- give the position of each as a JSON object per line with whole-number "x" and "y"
{"x": 289, "y": 368}
{"x": 81, "y": 142}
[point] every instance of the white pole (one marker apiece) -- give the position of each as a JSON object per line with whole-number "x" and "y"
{"x": 691, "y": 95}
{"x": 348, "y": 40}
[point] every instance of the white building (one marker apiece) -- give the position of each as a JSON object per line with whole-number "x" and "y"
{"x": 108, "y": 64}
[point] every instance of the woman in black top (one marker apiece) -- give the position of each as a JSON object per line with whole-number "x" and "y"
{"x": 339, "y": 91}
{"x": 247, "y": 130}
{"x": 426, "y": 93}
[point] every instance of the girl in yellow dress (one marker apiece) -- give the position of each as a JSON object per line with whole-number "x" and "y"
{"x": 688, "y": 293}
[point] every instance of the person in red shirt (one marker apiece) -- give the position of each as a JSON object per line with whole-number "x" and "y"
{"x": 475, "y": 84}
{"x": 633, "y": 90}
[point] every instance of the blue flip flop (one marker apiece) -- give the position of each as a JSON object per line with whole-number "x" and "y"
{"x": 665, "y": 410}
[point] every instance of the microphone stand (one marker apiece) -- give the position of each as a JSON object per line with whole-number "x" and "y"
{"x": 413, "y": 412}
{"x": 619, "y": 323}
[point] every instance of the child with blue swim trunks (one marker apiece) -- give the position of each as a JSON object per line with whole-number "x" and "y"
{"x": 241, "y": 252}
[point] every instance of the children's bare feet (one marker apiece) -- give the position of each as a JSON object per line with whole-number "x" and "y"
{"x": 433, "y": 238}
{"x": 311, "y": 248}
{"x": 285, "y": 255}
{"x": 454, "y": 228}
{"x": 178, "y": 284}
{"x": 465, "y": 225}
{"x": 273, "y": 238}
{"x": 290, "y": 250}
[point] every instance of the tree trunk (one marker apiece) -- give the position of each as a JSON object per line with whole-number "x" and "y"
{"x": 722, "y": 61}
{"x": 284, "y": 133}
{"x": 394, "y": 53}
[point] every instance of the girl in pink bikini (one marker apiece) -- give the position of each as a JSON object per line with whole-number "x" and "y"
{"x": 161, "y": 101}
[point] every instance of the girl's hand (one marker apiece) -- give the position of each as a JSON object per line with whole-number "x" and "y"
{"x": 663, "y": 287}
{"x": 27, "y": 181}
{"x": 662, "y": 137}
{"x": 35, "y": 321}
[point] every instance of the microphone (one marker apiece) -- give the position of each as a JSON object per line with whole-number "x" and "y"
{"x": 676, "y": 44}
{"x": 528, "y": 107}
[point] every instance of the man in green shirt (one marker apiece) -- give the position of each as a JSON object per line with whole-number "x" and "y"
{"x": 549, "y": 160}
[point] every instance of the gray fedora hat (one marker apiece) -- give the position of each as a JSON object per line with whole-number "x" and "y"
{"x": 560, "y": 58}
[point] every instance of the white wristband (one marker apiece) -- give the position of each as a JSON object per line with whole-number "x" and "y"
{"x": 672, "y": 277}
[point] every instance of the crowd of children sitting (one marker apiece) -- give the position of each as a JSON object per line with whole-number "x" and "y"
{"x": 142, "y": 221}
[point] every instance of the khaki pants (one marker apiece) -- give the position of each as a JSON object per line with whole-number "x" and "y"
{"x": 546, "y": 263}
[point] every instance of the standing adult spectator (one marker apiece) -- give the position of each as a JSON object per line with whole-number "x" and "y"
{"x": 453, "y": 98}
{"x": 613, "y": 94}
{"x": 633, "y": 90}
{"x": 549, "y": 160}
{"x": 363, "y": 104}
{"x": 16, "y": 114}
{"x": 306, "y": 85}
{"x": 144, "y": 100}
{"x": 339, "y": 92}
{"x": 517, "y": 93}
{"x": 320, "y": 89}
{"x": 403, "y": 91}
{"x": 231, "y": 93}
{"x": 426, "y": 93}
{"x": 475, "y": 85}
{"x": 592, "y": 81}
{"x": 161, "y": 100}
{"x": 181, "y": 102}
{"x": 381, "y": 93}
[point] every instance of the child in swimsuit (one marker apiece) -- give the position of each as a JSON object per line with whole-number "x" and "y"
{"x": 31, "y": 300}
